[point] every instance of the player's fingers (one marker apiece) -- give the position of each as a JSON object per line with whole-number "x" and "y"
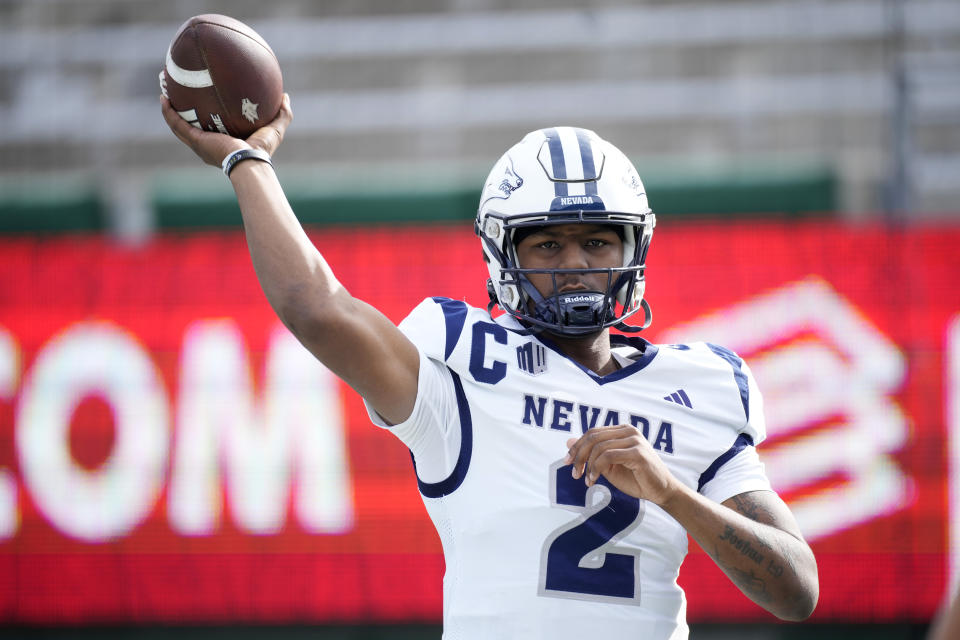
{"x": 579, "y": 450}
{"x": 615, "y": 464}
{"x": 210, "y": 146}
{"x": 283, "y": 119}
{"x": 185, "y": 132}
{"x": 624, "y": 441}
{"x": 174, "y": 121}
{"x": 599, "y": 461}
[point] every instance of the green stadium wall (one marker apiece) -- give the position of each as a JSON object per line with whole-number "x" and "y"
{"x": 37, "y": 206}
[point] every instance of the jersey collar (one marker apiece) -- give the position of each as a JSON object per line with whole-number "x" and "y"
{"x": 646, "y": 350}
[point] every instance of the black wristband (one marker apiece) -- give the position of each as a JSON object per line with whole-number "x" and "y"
{"x": 244, "y": 154}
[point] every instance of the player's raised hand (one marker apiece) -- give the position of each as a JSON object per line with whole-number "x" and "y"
{"x": 268, "y": 137}
{"x": 213, "y": 147}
{"x": 624, "y": 457}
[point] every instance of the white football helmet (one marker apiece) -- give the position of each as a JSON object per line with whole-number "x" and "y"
{"x": 565, "y": 175}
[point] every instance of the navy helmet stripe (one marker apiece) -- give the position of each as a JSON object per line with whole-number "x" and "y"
{"x": 559, "y": 162}
{"x": 589, "y": 168}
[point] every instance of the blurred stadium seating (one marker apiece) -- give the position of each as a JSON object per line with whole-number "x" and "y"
{"x": 855, "y": 102}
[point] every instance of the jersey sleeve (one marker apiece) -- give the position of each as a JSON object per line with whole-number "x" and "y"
{"x": 426, "y": 326}
{"x": 430, "y": 432}
{"x": 742, "y": 472}
{"x": 749, "y": 414}
{"x": 739, "y": 469}
{"x": 756, "y": 425}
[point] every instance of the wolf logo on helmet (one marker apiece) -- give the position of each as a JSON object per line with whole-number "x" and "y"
{"x": 511, "y": 182}
{"x": 573, "y": 176}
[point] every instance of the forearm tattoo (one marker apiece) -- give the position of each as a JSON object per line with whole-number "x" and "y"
{"x": 754, "y": 547}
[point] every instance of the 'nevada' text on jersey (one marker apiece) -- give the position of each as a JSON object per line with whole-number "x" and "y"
{"x": 560, "y": 415}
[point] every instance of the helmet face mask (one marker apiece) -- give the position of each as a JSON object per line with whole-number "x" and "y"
{"x": 559, "y": 176}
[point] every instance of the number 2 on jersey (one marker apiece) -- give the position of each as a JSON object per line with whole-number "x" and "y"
{"x": 578, "y": 559}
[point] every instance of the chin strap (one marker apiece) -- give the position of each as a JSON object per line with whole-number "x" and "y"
{"x": 648, "y": 318}
{"x": 492, "y": 293}
{"x": 578, "y": 312}
{"x": 568, "y": 310}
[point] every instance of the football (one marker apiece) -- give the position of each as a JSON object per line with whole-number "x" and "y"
{"x": 220, "y": 75}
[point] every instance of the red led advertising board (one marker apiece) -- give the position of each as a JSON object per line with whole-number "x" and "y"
{"x": 169, "y": 453}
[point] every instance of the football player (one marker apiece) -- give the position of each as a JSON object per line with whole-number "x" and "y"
{"x": 563, "y": 466}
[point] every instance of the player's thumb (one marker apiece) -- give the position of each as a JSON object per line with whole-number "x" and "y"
{"x": 269, "y": 137}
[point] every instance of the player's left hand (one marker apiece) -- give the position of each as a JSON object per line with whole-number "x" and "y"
{"x": 624, "y": 457}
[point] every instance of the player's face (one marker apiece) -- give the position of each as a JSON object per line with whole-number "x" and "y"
{"x": 570, "y": 246}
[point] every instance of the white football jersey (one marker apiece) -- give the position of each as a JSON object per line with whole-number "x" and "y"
{"x": 530, "y": 552}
